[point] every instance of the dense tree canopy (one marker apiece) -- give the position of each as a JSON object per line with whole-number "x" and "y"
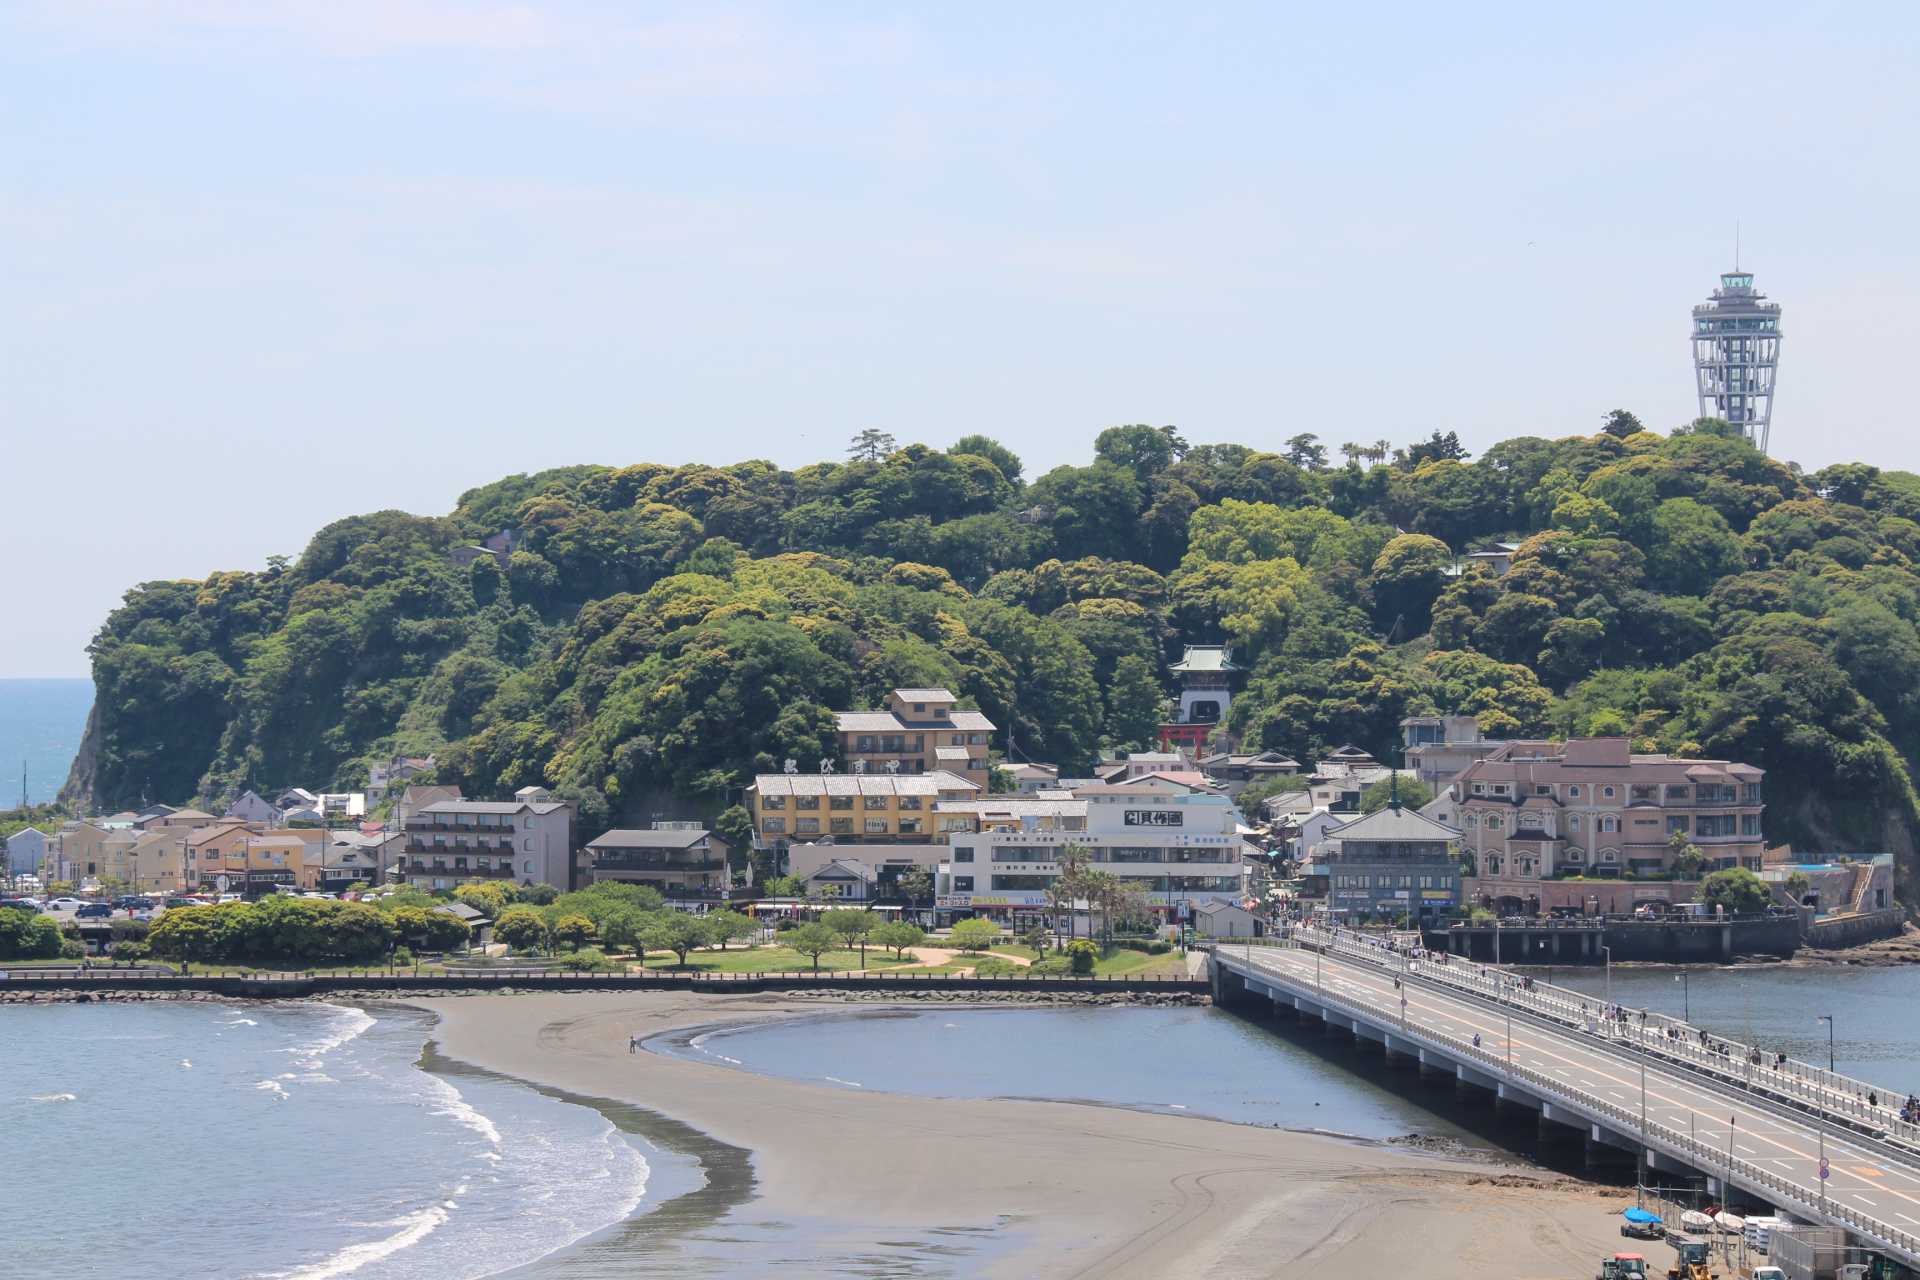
{"x": 644, "y": 638}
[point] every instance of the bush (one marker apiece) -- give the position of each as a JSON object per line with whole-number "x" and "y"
{"x": 975, "y": 934}
{"x": 130, "y": 951}
{"x": 593, "y": 960}
{"x": 25, "y": 936}
{"x": 1152, "y": 946}
{"x": 72, "y": 949}
{"x": 1051, "y": 967}
{"x": 1082, "y": 955}
{"x": 403, "y": 957}
{"x": 997, "y": 967}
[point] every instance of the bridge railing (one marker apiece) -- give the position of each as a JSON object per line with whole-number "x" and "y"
{"x": 1704, "y": 1155}
{"x": 1855, "y": 1102}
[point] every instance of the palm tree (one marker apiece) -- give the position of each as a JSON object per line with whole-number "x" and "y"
{"x": 1067, "y": 887}
{"x": 1350, "y": 450}
{"x": 1101, "y": 888}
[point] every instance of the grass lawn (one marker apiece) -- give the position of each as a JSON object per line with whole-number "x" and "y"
{"x": 774, "y": 959}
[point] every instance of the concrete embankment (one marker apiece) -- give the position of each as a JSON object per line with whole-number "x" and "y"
{"x": 23, "y": 985}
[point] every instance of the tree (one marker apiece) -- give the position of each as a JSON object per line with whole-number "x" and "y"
{"x": 897, "y": 936}
{"x": 872, "y": 445}
{"x": 535, "y": 895}
{"x": 1413, "y": 793}
{"x": 1798, "y": 885}
{"x": 1621, "y": 424}
{"x": 675, "y": 931}
{"x": 521, "y": 928}
{"x": 1736, "y": 890}
{"x": 486, "y": 897}
{"x": 25, "y": 936}
{"x": 993, "y": 451}
{"x": 1036, "y": 938}
{"x": 730, "y": 926}
{"x": 1408, "y": 576}
{"x": 1082, "y": 956}
{"x": 916, "y": 884}
{"x": 1306, "y": 452}
{"x": 812, "y": 940}
{"x": 1134, "y": 702}
{"x": 975, "y": 934}
{"x": 573, "y": 931}
{"x": 735, "y": 827}
{"x": 853, "y": 926}
{"x": 1436, "y": 448}
{"x": 1687, "y": 858}
{"x": 1064, "y": 890}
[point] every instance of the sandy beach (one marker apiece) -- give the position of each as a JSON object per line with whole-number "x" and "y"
{"x": 1066, "y": 1189}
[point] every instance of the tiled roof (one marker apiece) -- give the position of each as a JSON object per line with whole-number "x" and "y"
{"x": 474, "y": 806}
{"x": 867, "y": 721}
{"x": 863, "y": 784}
{"x": 1393, "y": 824}
{"x": 624, "y": 839}
{"x": 956, "y": 754}
{"x": 972, "y": 721}
{"x": 1204, "y": 657}
{"x": 924, "y": 695}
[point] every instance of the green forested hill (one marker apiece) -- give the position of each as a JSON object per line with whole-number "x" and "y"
{"x": 666, "y": 631}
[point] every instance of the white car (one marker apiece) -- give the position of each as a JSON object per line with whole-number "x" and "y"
{"x": 64, "y": 904}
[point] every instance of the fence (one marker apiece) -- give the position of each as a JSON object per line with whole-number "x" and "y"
{"x": 1701, "y": 1155}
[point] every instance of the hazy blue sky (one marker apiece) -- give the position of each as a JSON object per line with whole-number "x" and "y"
{"x": 264, "y": 263}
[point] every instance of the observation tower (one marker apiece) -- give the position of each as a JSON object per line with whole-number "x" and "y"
{"x": 1736, "y": 351}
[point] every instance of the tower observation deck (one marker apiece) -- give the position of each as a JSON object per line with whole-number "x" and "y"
{"x": 1736, "y": 351}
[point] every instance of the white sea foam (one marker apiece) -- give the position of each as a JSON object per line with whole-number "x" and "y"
{"x": 274, "y": 1087}
{"x": 186, "y": 1064}
{"x": 349, "y": 1025}
{"x": 851, "y": 1084}
{"x": 458, "y": 1109}
{"x": 54, "y": 1097}
{"x": 240, "y": 1022}
{"x": 413, "y": 1228}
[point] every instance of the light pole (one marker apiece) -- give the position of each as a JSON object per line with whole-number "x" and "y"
{"x": 1828, "y": 1019}
{"x": 1686, "y": 997}
{"x": 1606, "y": 954}
{"x": 1509, "y": 1037}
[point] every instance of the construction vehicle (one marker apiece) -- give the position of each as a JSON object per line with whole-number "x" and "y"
{"x": 1623, "y": 1266}
{"x": 1690, "y": 1262}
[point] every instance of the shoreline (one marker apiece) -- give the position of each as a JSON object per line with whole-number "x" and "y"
{"x": 1000, "y": 1186}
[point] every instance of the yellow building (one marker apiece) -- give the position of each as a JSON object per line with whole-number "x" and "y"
{"x": 792, "y": 808}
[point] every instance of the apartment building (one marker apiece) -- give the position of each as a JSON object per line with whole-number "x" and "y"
{"x": 920, "y": 731}
{"x": 528, "y": 839}
{"x": 1590, "y": 806}
{"x": 1439, "y": 748}
{"x": 683, "y": 861}
{"x": 851, "y": 808}
{"x": 1177, "y": 843}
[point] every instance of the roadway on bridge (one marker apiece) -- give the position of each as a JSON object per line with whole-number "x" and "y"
{"x": 1860, "y": 1179}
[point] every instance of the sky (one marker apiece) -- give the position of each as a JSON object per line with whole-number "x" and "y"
{"x": 266, "y": 263}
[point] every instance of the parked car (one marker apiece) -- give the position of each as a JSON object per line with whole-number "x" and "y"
{"x": 130, "y": 903}
{"x": 65, "y": 904}
{"x": 27, "y": 905}
{"x": 93, "y": 910}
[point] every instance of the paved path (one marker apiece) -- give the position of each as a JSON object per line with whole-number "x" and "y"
{"x": 1862, "y": 1179}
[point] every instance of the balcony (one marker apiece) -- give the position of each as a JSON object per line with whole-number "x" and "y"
{"x": 656, "y": 862}
{"x": 457, "y": 828}
{"x": 444, "y": 867}
{"x": 470, "y": 846}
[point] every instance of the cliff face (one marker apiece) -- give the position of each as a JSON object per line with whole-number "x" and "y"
{"x": 77, "y": 792}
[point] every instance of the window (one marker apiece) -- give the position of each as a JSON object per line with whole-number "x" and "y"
{"x": 1609, "y": 855}
{"x": 876, "y": 802}
{"x": 1676, "y": 824}
{"x": 774, "y": 826}
{"x": 980, "y": 740}
{"x": 806, "y": 802}
{"x": 1609, "y": 824}
{"x": 1749, "y": 824}
{"x": 1717, "y": 824}
{"x": 1494, "y": 823}
{"x": 840, "y": 826}
{"x": 1607, "y": 792}
{"x": 876, "y": 826}
{"x": 1472, "y": 820}
{"x": 839, "y": 802}
{"x": 1678, "y": 793}
{"x": 1574, "y": 791}
{"x": 807, "y": 826}
{"x": 1541, "y": 789}
{"x": 963, "y": 884}
{"x": 1479, "y": 789}
{"x": 908, "y": 826}
{"x": 1573, "y": 822}
{"x": 773, "y": 802}
{"x": 910, "y": 803}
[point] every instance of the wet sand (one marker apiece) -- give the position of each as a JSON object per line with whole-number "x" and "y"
{"x": 834, "y": 1182}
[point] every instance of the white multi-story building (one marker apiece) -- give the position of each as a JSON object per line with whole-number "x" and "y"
{"x": 528, "y": 839}
{"x": 1176, "y": 841}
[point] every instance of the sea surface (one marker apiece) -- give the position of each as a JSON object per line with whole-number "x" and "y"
{"x": 41, "y": 722}
{"x": 284, "y": 1141}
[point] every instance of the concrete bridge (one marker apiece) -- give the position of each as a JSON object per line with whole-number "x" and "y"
{"x": 1642, "y": 1086}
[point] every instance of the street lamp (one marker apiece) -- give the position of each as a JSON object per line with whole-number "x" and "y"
{"x": 1606, "y": 954}
{"x": 1686, "y": 997}
{"x": 1828, "y": 1019}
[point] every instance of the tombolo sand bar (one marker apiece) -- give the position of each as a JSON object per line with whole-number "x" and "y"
{"x": 1079, "y": 1190}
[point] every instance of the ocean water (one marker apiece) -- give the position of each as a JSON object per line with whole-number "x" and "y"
{"x": 285, "y": 1142}
{"x": 1182, "y": 1061}
{"x": 41, "y": 722}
